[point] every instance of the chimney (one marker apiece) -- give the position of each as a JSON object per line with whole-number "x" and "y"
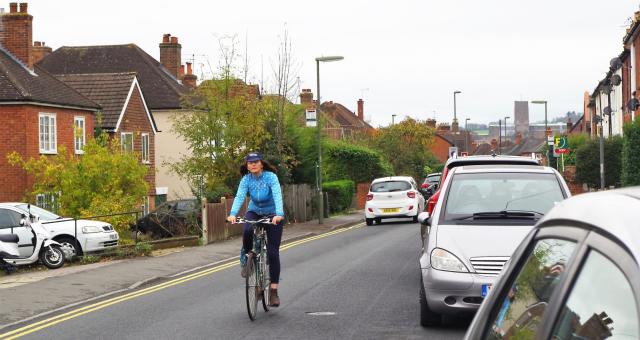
{"x": 431, "y": 123}
{"x": 40, "y": 50}
{"x": 444, "y": 127}
{"x": 16, "y": 33}
{"x": 170, "y": 54}
{"x": 361, "y": 109}
{"x": 189, "y": 79}
{"x": 518, "y": 138}
{"x": 181, "y": 73}
{"x": 306, "y": 98}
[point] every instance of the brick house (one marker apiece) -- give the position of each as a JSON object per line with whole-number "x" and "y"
{"x": 124, "y": 116}
{"x": 38, "y": 113}
{"x": 162, "y": 85}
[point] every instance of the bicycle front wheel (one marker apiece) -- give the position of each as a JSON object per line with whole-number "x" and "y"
{"x": 252, "y": 287}
{"x": 265, "y": 279}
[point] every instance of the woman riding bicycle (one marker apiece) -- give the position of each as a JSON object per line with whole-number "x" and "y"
{"x": 260, "y": 182}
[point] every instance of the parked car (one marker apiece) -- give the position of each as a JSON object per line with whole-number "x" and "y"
{"x": 484, "y": 213}
{"x": 477, "y": 160}
{"x": 171, "y": 218}
{"x": 430, "y": 184}
{"x": 393, "y": 197}
{"x": 76, "y": 237}
{"x": 575, "y": 276}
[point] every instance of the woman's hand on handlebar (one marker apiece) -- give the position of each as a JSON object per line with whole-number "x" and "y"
{"x": 231, "y": 219}
{"x": 277, "y": 219}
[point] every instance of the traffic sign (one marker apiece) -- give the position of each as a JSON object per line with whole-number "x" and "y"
{"x": 311, "y": 118}
{"x": 561, "y": 145}
{"x": 453, "y": 152}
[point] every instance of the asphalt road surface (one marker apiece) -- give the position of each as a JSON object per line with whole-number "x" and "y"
{"x": 360, "y": 283}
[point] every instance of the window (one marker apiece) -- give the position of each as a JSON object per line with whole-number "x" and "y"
{"x": 145, "y": 148}
{"x": 9, "y": 219}
{"x": 523, "y": 308}
{"x": 79, "y": 134}
{"x": 48, "y": 201}
{"x": 126, "y": 140}
{"x": 47, "y": 132}
{"x": 600, "y": 305}
{"x": 145, "y": 205}
{"x": 390, "y": 186}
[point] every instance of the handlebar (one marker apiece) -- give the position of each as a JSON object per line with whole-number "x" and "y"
{"x": 265, "y": 220}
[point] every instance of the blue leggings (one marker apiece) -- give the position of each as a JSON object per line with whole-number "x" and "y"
{"x": 274, "y": 236}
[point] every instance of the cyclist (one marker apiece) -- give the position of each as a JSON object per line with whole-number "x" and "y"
{"x": 260, "y": 182}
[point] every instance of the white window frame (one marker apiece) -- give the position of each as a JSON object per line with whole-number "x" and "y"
{"x": 145, "y": 205}
{"x": 79, "y": 134}
{"x": 123, "y": 135}
{"x": 47, "y": 139}
{"x": 48, "y": 201}
{"x": 145, "y": 148}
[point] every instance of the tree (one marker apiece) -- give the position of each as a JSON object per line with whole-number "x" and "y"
{"x": 104, "y": 180}
{"x": 631, "y": 154}
{"x": 406, "y": 145}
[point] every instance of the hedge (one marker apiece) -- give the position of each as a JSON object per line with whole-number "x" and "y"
{"x": 340, "y": 194}
{"x": 357, "y": 163}
{"x": 631, "y": 154}
{"x": 588, "y": 162}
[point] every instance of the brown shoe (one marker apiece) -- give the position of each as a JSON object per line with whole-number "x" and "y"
{"x": 274, "y": 300}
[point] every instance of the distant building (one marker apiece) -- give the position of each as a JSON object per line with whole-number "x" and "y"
{"x": 521, "y": 117}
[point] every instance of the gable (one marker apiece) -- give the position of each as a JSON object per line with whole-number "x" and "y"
{"x": 135, "y": 115}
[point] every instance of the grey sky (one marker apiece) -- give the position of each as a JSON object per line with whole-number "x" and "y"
{"x": 410, "y": 55}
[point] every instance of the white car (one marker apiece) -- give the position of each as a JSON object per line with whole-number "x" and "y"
{"x": 77, "y": 237}
{"x": 393, "y": 197}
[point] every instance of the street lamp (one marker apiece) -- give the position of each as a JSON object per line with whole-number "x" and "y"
{"x": 319, "y": 129}
{"x": 466, "y": 135}
{"x": 393, "y": 121}
{"x": 545, "y": 127}
{"x": 455, "y": 118}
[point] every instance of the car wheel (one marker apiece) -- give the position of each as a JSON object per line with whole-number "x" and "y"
{"x": 415, "y": 219}
{"x": 369, "y": 221}
{"x": 378, "y": 220}
{"x": 428, "y": 318}
{"x": 69, "y": 245}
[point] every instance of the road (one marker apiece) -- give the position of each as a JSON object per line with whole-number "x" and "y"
{"x": 363, "y": 281}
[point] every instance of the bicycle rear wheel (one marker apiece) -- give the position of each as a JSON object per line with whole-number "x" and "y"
{"x": 265, "y": 280}
{"x": 252, "y": 287}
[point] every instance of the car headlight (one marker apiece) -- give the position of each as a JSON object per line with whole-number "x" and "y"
{"x": 91, "y": 229}
{"x": 444, "y": 260}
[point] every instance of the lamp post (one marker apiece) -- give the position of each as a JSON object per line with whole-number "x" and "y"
{"x": 455, "y": 117}
{"x": 393, "y": 120}
{"x": 499, "y": 136}
{"x": 319, "y": 129}
{"x": 545, "y": 127}
{"x": 466, "y": 135}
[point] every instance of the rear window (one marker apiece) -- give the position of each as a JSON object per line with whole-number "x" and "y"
{"x": 496, "y": 192}
{"x": 390, "y": 186}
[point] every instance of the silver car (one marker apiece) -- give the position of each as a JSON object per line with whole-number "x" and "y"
{"x": 486, "y": 211}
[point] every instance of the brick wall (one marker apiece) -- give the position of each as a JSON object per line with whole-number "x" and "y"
{"x": 19, "y": 131}
{"x": 440, "y": 148}
{"x": 170, "y": 54}
{"x": 569, "y": 175}
{"x": 362, "y": 190}
{"x": 16, "y": 33}
{"x": 136, "y": 121}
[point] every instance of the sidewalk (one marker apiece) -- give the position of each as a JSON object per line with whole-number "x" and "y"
{"x": 21, "y": 293}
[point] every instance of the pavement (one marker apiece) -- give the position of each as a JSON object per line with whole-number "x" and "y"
{"x": 28, "y": 295}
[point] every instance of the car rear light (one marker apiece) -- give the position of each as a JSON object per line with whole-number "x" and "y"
{"x": 410, "y": 207}
{"x": 370, "y": 210}
{"x": 424, "y": 185}
{"x": 369, "y": 197}
{"x": 411, "y": 194}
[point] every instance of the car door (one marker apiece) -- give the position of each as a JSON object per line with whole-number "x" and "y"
{"x": 10, "y": 224}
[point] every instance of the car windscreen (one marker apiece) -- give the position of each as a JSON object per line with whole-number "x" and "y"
{"x": 44, "y": 215}
{"x": 390, "y": 186}
{"x": 475, "y": 198}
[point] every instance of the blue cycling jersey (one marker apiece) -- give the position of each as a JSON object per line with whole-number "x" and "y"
{"x": 265, "y": 196}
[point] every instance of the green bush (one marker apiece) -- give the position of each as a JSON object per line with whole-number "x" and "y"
{"x": 340, "y": 194}
{"x": 575, "y": 141}
{"x": 144, "y": 248}
{"x": 356, "y": 163}
{"x": 587, "y": 160}
{"x": 631, "y": 154}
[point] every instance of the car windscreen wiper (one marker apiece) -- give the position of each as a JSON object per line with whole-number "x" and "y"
{"x": 504, "y": 214}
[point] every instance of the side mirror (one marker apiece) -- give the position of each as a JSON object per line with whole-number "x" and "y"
{"x": 423, "y": 218}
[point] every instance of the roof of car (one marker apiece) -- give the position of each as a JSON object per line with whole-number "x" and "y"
{"x": 492, "y": 159}
{"x": 435, "y": 174}
{"x": 614, "y": 212}
{"x": 503, "y": 168}
{"x": 392, "y": 178}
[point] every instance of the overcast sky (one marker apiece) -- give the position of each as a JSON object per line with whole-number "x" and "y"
{"x": 402, "y": 57}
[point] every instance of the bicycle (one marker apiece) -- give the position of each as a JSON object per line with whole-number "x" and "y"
{"x": 257, "y": 280}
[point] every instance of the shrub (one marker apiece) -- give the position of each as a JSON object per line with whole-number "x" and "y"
{"x": 630, "y": 174}
{"x": 144, "y": 248}
{"x": 357, "y": 163}
{"x": 340, "y": 194}
{"x": 587, "y": 158}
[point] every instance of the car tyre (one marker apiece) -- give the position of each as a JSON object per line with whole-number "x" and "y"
{"x": 369, "y": 221}
{"x": 428, "y": 318}
{"x": 378, "y": 220}
{"x": 70, "y": 243}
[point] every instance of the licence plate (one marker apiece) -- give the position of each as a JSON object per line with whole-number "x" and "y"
{"x": 113, "y": 236}
{"x": 485, "y": 289}
{"x": 390, "y": 210}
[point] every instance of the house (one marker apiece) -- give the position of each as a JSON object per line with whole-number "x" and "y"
{"x": 163, "y": 85}
{"x": 39, "y": 115}
{"x": 124, "y": 116}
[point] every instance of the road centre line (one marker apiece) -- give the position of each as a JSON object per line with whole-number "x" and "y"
{"x": 31, "y": 328}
